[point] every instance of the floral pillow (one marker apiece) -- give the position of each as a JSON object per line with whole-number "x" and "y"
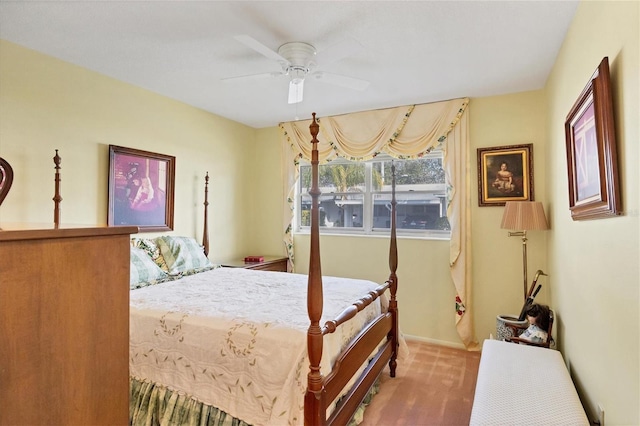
{"x": 143, "y": 270}
{"x": 183, "y": 255}
{"x": 152, "y": 250}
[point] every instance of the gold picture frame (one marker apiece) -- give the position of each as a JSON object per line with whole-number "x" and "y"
{"x": 505, "y": 173}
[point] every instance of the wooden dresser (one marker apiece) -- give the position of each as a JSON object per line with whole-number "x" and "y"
{"x": 64, "y": 325}
{"x": 270, "y": 263}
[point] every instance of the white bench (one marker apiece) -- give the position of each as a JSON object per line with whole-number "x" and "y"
{"x": 524, "y": 385}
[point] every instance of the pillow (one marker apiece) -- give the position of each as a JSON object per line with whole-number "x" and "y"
{"x": 152, "y": 250}
{"x": 183, "y": 255}
{"x": 143, "y": 271}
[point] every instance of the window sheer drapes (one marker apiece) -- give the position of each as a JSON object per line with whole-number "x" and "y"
{"x": 403, "y": 132}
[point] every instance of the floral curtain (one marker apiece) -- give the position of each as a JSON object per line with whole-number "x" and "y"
{"x": 458, "y": 176}
{"x": 402, "y": 132}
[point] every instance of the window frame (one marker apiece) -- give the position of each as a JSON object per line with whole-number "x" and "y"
{"x": 368, "y": 205}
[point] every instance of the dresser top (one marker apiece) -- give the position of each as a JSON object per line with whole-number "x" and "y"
{"x": 36, "y": 231}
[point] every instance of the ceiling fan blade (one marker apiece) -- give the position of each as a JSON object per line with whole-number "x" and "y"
{"x": 260, "y": 76}
{"x": 341, "y": 80}
{"x": 260, "y": 48}
{"x": 334, "y": 53}
{"x": 295, "y": 91}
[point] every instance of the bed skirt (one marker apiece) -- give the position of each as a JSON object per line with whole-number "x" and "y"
{"x": 151, "y": 405}
{"x": 156, "y": 405}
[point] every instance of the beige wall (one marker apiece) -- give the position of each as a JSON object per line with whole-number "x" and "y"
{"x": 594, "y": 264}
{"x": 497, "y": 258}
{"x": 47, "y": 104}
{"x": 426, "y": 292}
{"x": 267, "y": 210}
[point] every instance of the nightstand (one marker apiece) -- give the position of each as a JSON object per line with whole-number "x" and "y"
{"x": 270, "y": 263}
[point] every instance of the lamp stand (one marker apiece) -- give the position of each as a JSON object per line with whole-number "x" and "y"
{"x": 523, "y": 234}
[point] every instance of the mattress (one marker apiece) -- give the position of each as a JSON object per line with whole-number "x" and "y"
{"x": 236, "y": 338}
{"x": 524, "y": 385}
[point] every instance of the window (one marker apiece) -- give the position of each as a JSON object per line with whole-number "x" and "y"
{"x": 356, "y": 196}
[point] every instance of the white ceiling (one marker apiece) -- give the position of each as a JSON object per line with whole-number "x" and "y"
{"x": 412, "y": 51}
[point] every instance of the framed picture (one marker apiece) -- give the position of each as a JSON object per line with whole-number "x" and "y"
{"x": 505, "y": 173}
{"x": 591, "y": 151}
{"x": 141, "y": 188}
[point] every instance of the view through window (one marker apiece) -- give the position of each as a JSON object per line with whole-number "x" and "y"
{"x": 356, "y": 196}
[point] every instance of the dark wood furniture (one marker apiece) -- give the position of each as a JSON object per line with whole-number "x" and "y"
{"x": 270, "y": 263}
{"x": 64, "y": 325}
{"x": 6, "y": 178}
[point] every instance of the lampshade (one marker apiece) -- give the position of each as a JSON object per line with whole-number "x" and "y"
{"x": 524, "y": 216}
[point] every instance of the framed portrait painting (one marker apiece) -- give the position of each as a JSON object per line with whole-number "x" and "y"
{"x": 505, "y": 173}
{"x": 591, "y": 151}
{"x": 141, "y": 189}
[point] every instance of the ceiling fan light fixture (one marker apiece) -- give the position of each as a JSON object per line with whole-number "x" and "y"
{"x": 295, "y": 91}
{"x": 297, "y": 74}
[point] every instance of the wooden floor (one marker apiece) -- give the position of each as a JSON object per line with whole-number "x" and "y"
{"x": 434, "y": 385}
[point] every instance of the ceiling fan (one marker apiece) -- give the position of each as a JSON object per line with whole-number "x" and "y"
{"x": 298, "y": 61}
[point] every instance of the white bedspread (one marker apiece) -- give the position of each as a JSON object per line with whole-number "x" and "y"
{"x": 236, "y": 338}
{"x": 524, "y": 385}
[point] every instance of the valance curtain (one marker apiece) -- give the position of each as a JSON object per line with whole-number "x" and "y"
{"x": 403, "y": 132}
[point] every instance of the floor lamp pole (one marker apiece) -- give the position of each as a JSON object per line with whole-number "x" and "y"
{"x": 523, "y": 234}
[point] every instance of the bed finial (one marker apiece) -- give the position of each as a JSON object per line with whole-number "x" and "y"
{"x": 57, "y": 198}
{"x": 314, "y": 127}
{"x": 205, "y": 233}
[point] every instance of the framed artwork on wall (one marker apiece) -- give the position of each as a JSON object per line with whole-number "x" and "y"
{"x": 591, "y": 151}
{"x": 141, "y": 189}
{"x": 505, "y": 173}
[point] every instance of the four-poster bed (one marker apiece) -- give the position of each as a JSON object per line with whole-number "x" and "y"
{"x": 190, "y": 359}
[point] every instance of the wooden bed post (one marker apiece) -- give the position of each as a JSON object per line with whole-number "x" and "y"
{"x": 205, "y": 233}
{"x": 57, "y": 198}
{"x": 314, "y": 404}
{"x": 393, "y": 278}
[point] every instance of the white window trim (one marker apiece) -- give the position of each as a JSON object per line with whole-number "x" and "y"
{"x": 367, "y": 230}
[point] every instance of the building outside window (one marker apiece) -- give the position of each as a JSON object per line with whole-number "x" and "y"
{"x": 356, "y": 197}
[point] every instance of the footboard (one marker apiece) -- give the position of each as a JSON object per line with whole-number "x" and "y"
{"x": 351, "y": 360}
